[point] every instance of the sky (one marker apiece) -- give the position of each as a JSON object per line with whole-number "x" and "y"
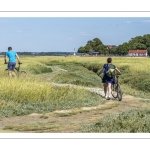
{"x": 66, "y": 34}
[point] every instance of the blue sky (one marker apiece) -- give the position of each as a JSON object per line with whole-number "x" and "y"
{"x": 64, "y": 34}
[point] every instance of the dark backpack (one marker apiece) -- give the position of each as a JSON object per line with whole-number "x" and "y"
{"x": 111, "y": 70}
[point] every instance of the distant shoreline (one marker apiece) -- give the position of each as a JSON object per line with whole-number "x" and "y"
{"x": 46, "y": 53}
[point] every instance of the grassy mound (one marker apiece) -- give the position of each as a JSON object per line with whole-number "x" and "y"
{"x": 133, "y": 121}
{"x": 24, "y": 96}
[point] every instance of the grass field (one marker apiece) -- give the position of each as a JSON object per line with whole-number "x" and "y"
{"x": 39, "y": 91}
{"x": 20, "y": 96}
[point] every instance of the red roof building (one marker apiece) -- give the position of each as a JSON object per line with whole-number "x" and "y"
{"x": 137, "y": 53}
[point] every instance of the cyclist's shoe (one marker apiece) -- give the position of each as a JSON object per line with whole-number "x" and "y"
{"x": 104, "y": 97}
{"x": 108, "y": 98}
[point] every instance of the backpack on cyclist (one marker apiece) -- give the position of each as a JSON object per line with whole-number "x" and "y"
{"x": 111, "y": 70}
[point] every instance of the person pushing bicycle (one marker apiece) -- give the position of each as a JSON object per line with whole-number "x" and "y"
{"x": 107, "y": 78}
{"x": 11, "y": 55}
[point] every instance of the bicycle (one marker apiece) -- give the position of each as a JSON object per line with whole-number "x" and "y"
{"x": 17, "y": 70}
{"x": 116, "y": 89}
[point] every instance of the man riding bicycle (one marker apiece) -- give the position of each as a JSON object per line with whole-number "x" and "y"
{"x": 12, "y": 55}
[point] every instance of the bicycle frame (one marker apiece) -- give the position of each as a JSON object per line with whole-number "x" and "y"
{"x": 17, "y": 70}
{"x": 116, "y": 90}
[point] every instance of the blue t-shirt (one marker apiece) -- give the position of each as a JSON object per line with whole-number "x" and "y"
{"x": 106, "y": 78}
{"x": 11, "y": 55}
{"x": 106, "y": 67}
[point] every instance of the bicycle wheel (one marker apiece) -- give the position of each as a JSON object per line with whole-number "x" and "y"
{"x": 22, "y": 73}
{"x": 114, "y": 90}
{"x": 119, "y": 93}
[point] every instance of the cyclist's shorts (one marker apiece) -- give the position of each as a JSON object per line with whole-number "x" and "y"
{"x": 106, "y": 79}
{"x": 11, "y": 66}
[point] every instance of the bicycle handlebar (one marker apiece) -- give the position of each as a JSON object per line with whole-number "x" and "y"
{"x": 7, "y": 63}
{"x": 118, "y": 74}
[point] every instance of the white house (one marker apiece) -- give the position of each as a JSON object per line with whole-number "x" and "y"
{"x": 137, "y": 53}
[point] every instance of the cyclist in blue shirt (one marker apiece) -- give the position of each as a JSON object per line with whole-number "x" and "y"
{"x": 11, "y": 55}
{"x": 107, "y": 81}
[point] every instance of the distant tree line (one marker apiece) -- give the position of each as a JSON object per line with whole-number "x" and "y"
{"x": 41, "y": 53}
{"x": 138, "y": 42}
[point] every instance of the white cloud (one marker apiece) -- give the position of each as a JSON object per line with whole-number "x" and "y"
{"x": 146, "y": 21}
{"x": 127, "y": 22}
{"x": 84, "y": 34}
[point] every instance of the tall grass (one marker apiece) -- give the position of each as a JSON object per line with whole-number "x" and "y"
{"x": 133, "y": 121}
{"x": 31, "y": 94}
{"x": 77, "y": 75}
{"x": 20, "y": 96}
{"x": 135, "y": 71}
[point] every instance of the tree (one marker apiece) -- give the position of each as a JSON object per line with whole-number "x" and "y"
{"x": 138, "y": 42}
{"x": 146, "y": 39}
{"x": 87, "y": 48}
{"x": 148, "y": 51}
{"x": 123, "y": 49}
{"x": 95, "y": 44}
{"x": 81, "y": 49}
{"x": 113, "y": 51}
{"x": 137, "y": 39}
{"x": 101, "y": 49}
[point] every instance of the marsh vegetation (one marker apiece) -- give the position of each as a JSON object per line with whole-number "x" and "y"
{"x": 56, "y": 83}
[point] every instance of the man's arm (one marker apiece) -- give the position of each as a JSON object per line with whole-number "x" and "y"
{"x": 118, "y": 70}
{"x": 18, "y": 58}
{"x": 5, "y": 59}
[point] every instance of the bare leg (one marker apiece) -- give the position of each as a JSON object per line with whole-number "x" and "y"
{"x": 105, "y": 88}
{"x": 109, "y": 89}
{"x": 13, "y": 74}
{"x": 9, "y": 73}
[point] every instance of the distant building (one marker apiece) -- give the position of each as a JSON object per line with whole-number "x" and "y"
{"x": 137, "y": 53}
{"x": 92, "y": 52}
{"x": 111, "y": 46}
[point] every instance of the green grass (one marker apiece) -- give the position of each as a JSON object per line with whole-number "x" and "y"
{"x": 37, "y": 127}
{"x": 77, "y": 75}
{"x": 33, "y": 94}
{"x": 24, "y": 96}
{"x": 21, "y": 96}
{"x": 39, "y": 69}
{"x": 135, "y": 72}
{"x": 133, "y": 121}
{"x": 65, "y": 114}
